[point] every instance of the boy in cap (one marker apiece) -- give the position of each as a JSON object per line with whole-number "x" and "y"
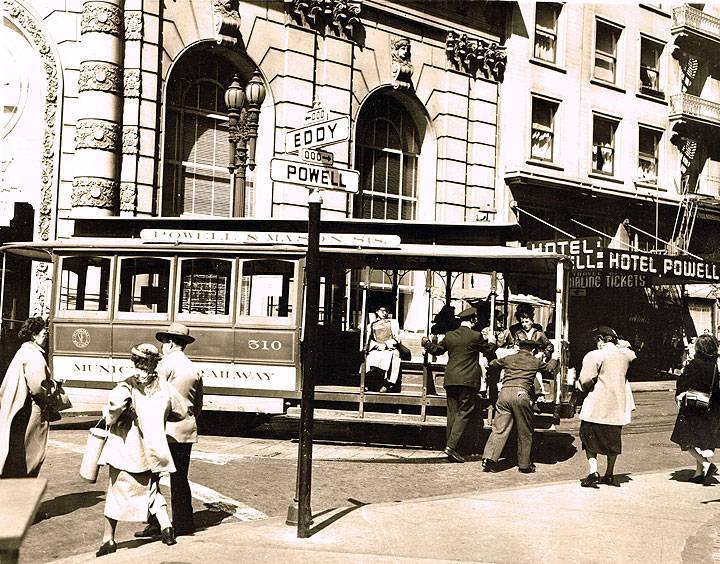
{"x": 515, "y": 405}
{"x": 462, "y": 375}
{"x": 180, "y": 372}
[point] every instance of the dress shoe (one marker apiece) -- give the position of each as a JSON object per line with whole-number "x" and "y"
{"x": 699, "y": 479}
{"x": 708, "y": 479}
{"x": 383, "y": 390}
{"x": 168, "y": 536}
{"x": 489, "y": 465}
{"x": 610, "y": 481}
{"x": 529, "y": 470}
{"x": 453, "y": 455}
{"x": 151, "y": 531}
{"x": 590, "y": 481}
{"x": 107, "y": 548}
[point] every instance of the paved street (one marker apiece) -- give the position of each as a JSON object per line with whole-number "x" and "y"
{"x": 252, "y": 477}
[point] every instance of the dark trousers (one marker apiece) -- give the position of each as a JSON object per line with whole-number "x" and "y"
{"x": 514, "y": 407}
{"x": 180, "y": 496}
{"x": 461, "y": 402}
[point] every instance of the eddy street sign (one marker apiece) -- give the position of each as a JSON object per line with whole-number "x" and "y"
{"x": 314, "y": 156}
{"x": 318, "y": 134}
{"x": 297, "y": 172}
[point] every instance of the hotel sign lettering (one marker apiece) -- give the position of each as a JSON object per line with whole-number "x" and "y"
{"x": 596, "y": 266}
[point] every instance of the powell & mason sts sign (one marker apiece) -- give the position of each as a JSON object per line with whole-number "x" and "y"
{"x": 596, "y": 266}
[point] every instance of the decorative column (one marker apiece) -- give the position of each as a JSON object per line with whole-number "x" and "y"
{"x": 98, "y": 136}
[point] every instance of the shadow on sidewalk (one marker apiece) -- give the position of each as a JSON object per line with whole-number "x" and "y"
{"x": 334, "y": 515}
{"x": 67, "y": 503}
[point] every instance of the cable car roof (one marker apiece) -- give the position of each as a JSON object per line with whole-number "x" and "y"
{"x": 484, "y": 258}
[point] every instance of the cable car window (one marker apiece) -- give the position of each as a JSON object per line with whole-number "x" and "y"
{"x": 205, "y": 287}
{"x": 267, "y": 288}
{"x": 84, "y": 284}
{"x": 144, "y": 286}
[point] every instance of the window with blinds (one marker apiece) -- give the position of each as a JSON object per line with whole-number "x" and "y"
{"x": 388, "y": 148}
{"x": 196, "y": 181}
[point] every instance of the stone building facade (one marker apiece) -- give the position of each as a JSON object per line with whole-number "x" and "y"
{"x": 124, "y": 103}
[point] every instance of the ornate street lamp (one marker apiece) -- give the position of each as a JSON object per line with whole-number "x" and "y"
{"x": 243, "y": 110}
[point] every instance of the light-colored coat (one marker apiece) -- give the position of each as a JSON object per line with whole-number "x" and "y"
{"x": 610, "y": 402}
{"x": 25, "y": 374}
{"x": 181, "y": 373}
{"x": 136, "y": 415}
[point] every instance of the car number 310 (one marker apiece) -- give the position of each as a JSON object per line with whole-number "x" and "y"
{"x": 263, "y": 345}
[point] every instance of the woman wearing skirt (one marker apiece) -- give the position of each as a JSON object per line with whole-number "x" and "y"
{"x": 696, "y": 429}
{"x": 136, "y": 450}
{"x": 608, "y": 405}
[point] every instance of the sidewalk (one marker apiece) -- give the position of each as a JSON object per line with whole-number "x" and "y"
{"x": 651, "y": 518}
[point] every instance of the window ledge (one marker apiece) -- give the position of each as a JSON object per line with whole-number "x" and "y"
{"x": 547, "y": 65}
{"x": 645, "y": 185}
{"x": 609, "y": 85}
{"x": 652, "y": 98}
{"x": 655, "y": 9}
{"x": 544, "y": 164}
{"x": 600, "y": 176}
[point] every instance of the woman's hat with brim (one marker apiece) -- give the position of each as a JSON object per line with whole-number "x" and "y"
{"x": 176, "y": 332}
{"x": 145, "y": 350}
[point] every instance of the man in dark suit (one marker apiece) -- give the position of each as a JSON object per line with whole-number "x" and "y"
{"x": 515, "y": 405}
{"x": 462, "y": 375}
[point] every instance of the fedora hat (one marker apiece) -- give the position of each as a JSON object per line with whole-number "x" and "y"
{"x": 176, "y": 331}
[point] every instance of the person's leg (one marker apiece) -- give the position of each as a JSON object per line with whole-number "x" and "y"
{"x": 593, "y": 478}
{"x": 610, "y": 468}
{"x": 501, "y": 427}
{"x": 180, "y": 495}
{"x": 466, "y": 405}
{"x": 700, "y": 463}
{"x": 523, "y": 416}
{"x": 452, "y": 408}
{"x": 158, "y": 508}
{"x": 109, "y": 529}
{"x": 393, "y": 372}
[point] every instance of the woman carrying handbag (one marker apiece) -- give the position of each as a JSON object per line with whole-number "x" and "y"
{"x": 696, "y": 427}
{"x": 23, "y": 423}
{"x": 136, "y": 450}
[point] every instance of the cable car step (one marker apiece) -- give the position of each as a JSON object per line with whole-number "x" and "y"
{"x": 371, "y": 417}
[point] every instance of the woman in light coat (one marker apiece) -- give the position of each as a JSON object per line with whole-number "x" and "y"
{"x": 136, "y": 450}
{"x": 382, "y": 350}
{"x": 697, "y": 431}
{"x": 608, "y": 405}
{"x": 23, "y": 429}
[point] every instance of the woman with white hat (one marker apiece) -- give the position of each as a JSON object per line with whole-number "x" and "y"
{"x": 136, "y": 450}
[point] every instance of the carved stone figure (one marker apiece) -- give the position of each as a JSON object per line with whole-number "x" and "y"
{"x": 402, "y": 68}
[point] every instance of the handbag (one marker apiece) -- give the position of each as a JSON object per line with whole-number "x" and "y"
{"x": 53, "y": 400}
{"x": 696, "y": 399}
{"x": 405, "y": 353}
{"x": 89, "y": 467}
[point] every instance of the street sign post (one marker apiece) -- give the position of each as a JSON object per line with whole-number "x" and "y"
{"x": 298, "y": 172}
{"x": 318, "y": 134}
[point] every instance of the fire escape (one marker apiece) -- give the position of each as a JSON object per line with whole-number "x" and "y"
{"x": 695, "y": 119}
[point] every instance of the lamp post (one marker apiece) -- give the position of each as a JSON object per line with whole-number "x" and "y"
{"x": 243, "y": 107}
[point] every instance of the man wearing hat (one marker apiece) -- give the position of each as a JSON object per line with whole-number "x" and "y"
{"x": 462, "y": 375}
{"x": 515, "y": 405}
{"x": 181, "y": 373}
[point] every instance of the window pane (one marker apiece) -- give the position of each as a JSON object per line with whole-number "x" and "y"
{"x": 409, "y": 176}
{"x": 379, "y": 172}
{"x": 648, "y": 155}
{"x": 603, "y": 145}
{"x": 205, "y": 287}
{"x": 266, "y": 288}
{"x": 606, "y": 51}
{"x": 543, "y": 125}
{"x": 650, "y": 64}
{"x": 84, "y": 284}
{"x": 393, "y": 174}
{"x": 144, "y": 285}
{"x": 546, "y": 31}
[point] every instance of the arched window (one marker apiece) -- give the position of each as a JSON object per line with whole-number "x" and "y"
{"x": 388, "y": 147}
{"x": 196, "y": 180}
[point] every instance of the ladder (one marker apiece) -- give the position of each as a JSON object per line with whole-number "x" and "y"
{"x": 685, "y": 218}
